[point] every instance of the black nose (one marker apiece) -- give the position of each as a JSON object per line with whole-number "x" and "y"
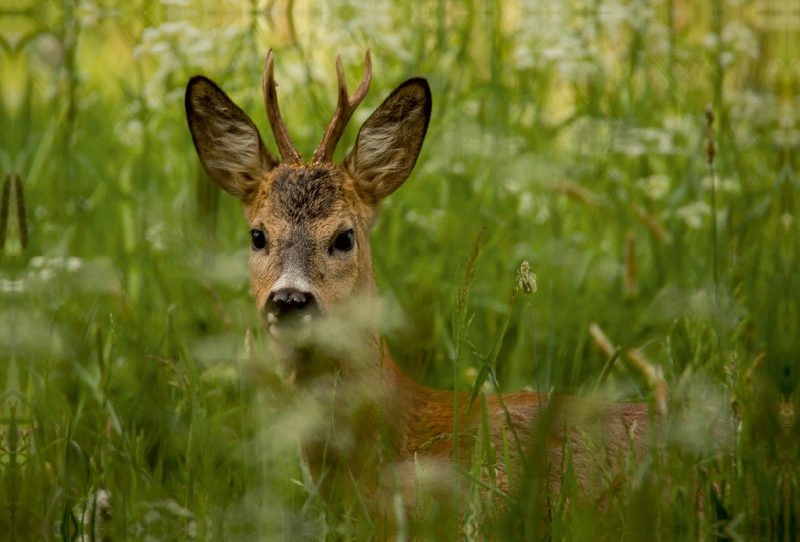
{"x": 288, "y": 302}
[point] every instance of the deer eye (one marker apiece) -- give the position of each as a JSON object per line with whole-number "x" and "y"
{"x": 258, "y": 239}
{"x": 344, "y": 241}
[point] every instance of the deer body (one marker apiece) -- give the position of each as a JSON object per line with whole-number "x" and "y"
{"x": 311, "y": 276}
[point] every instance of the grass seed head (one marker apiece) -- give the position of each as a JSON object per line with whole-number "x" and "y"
{"x": 601, "y": 340}
{"x": 654, "y": 376}
{"x": 652, "y": 224}
{"x": 578, "y": 193}
{"x": 526, "y": 281}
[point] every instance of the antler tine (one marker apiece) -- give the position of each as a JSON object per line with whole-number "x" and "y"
{"x": 344, "y": 110}
{"x": 289, "y": 153}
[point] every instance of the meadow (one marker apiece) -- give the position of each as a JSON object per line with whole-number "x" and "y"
{"x": 641, "y": 156}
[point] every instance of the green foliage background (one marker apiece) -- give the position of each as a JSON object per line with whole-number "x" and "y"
{"x": 571, "y": 130}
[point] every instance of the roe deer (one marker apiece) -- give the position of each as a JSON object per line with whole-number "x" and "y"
{"x": 311, "y": 276}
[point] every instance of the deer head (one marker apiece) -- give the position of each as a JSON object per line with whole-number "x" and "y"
{"x": 309, "y": 223}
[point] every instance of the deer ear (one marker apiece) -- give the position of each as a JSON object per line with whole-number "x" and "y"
{"x": 389, "y": 142}
{"x": 227, "y": 142}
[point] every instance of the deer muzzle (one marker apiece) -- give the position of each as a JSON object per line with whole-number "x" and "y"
{"x": 290, "y": 305}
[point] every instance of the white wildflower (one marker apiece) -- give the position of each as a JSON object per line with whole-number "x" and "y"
{"x": 129, "y": 133}
{"x": 726, "y": 58}
{"x": 524, "y": 56}
{"x": 46, "y": 274}
{"x": 73, "y": 264}
{"x": 694, "y": 214}
{"x": 738, "y": 38}
{"x": 542, "y": 214}
{"x": 730, "y": 186}
{"x": 155, "y": 236}
{"x": 786, "y": 138}
{"x": 11, "y": 286}
{"x": 654, "y": 187}
{"x": 639, "y": 141}
{"x": 525, "y": 204}
{"x": 98, "y": 512}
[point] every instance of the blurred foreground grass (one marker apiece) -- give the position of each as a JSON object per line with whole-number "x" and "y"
{"x": 131, "y": 362}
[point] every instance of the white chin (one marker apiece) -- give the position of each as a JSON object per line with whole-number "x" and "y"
{"x": 297, "y": 332}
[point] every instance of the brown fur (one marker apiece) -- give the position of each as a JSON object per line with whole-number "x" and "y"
{"x": 375, "y": 426}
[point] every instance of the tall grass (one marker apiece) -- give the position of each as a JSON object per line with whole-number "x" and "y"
{"x": 138, "y": 397}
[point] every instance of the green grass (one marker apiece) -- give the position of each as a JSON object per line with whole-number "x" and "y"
{"x": 131, "y": 358}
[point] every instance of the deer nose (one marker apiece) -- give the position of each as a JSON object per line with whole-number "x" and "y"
{"x": 289, "y": 303}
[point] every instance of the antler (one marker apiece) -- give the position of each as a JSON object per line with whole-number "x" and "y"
{"x": 344, "y": 110}
{"x": 286, "y": 146}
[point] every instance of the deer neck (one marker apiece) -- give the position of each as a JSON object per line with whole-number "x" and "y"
{"x": 358, "y": 395}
